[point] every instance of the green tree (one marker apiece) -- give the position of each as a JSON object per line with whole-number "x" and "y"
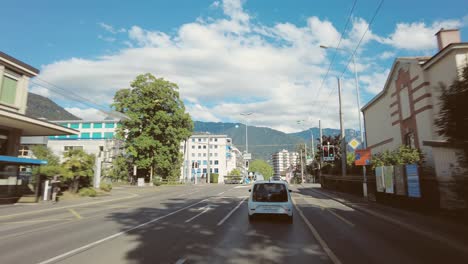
{"x": 157, "y": 124}
{"x": 235, "y": 172}
{"x": 53, "y": 167}
{"x": 262, "y": 167}
{"x": 120, "y": 169}
{"x": 452, "y": 123}
{"x": 78, "y": 167}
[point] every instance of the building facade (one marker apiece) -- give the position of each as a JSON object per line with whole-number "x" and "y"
{"x": 206, "y": 151}
{"x": 14, "y": 82}
{"x": 282, "y": 161}
{"x": 94, "y": 137}
{"x": 404, "y": 113}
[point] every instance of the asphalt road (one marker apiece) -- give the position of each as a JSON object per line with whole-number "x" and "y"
{"x": 209, "y": 224}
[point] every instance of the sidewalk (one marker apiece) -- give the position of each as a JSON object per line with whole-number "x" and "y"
{"x": 440, "y": 228}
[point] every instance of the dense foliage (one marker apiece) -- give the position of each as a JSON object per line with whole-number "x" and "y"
{"x": 78, "y": 168}
{"x": 261, "y": 167}
{"x": 157, "y": 124}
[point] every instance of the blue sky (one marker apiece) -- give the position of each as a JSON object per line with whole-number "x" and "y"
{"x": 227, "y": 56}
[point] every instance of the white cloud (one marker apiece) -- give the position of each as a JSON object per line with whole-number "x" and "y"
{"x": 111, "y": 29}
{"x": 87, "y": 113}
{"x": 387, "y": 55}
{"x": 229, "y": 65}
{"x": 108, "y": 39}
{"x": 375, "y": 82}
{"x": 215, "y": 4}
{"x": 419, "y": 35}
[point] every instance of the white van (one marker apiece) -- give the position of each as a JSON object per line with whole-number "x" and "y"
{"x": 270, "y": 197}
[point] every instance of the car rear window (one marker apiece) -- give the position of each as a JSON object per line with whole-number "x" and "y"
{"x": 270, "y": 192}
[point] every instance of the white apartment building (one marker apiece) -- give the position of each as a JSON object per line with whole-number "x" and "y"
{"x": 203, "y": 151}
{"x": 95, "y": 137}
{"x": 283, "y": 160}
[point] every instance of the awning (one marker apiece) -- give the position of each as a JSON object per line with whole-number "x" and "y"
{"x": 22, "y": 161}
{"x": 32, "y": 126}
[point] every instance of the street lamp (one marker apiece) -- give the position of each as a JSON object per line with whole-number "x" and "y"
{"x": 356, "y": 80}
{"x": 246, "y": 135}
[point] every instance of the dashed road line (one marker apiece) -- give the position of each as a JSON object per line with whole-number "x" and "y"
{"x": 75, "y": 213}
{"x": 317, "y": 236}
{"x": 231, "y": 212}
{"x": 207, "y": 208}
{"x": 95, "y": 243}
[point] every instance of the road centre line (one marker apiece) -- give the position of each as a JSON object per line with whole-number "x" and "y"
{"x": 207, "y": 208}
{"x": 187, "y": 194}
{"x": 77, "y": 215}
{"x": 66, "y": 207}
{"x": 231, "y": 212}
{"x": 317, "y": 236}
{"x": 90, "y": 245}
{"x": 181, "y": 261}
{"x": 36, "y": 221}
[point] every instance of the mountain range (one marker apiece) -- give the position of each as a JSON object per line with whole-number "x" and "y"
{"x": 262, "y": 141}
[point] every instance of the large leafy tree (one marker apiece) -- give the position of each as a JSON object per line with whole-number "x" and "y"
{"x": 53, "y": 167}
{"x": 157, "y": 124}
{"x": 262, "y": 167}
{"x": 452, "y": 123}
{"x": 78, "y": 167}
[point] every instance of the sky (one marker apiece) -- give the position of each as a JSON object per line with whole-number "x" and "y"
{"x": 227, "y": 56}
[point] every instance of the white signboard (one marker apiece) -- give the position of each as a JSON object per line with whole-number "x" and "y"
{"x": 141, "y": 182}
{"x": 247, "y": 156}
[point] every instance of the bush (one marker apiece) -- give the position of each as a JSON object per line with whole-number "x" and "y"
{"x": 157, "y": 181}
{"x": 107, "y": 187}
{"x": 88, "y": 192}
{"x": 214, "y": 177}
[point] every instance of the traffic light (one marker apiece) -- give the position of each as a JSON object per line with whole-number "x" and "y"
{"x": 331, "y": 152}
{"x": 246, "y": 163}
{"x": 326, "y": 152}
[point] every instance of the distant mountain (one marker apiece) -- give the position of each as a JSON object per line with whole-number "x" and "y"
{"x": 41, "y": 107}
{"x": 350, "y": 133}
{"x": 263, "y": 141}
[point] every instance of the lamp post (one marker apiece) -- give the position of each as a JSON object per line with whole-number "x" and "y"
{"x": 246, "y": 134}
{"x": 358, "y": 99}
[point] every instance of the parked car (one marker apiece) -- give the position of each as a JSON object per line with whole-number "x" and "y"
{"x": 271, "y": 198}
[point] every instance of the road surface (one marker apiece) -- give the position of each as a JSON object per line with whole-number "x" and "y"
{"x": 209, "y": 224}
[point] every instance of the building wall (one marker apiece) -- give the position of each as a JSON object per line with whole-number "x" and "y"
{"x": 282, "y": 160}
{"x": 21, "y": 97}
{"x": 204, "y": 148}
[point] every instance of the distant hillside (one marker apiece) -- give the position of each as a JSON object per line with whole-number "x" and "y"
{"x": 350, "y": 133}
{"x": 263, "y": 141}
{"x": 42, "y": 107}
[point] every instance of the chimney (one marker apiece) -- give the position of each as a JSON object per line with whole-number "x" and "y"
{"x": 446, "y": 37}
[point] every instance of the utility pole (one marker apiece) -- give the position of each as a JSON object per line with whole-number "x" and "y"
{"x": 342, "y": 137}
{"x": 302, "y": 166}
{"x": 208, "y": 169}
{"x": 321, "y": 156}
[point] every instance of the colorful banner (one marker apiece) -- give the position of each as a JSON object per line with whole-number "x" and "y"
{"x": 412, "y": 176}
{"x": 400, "y": 183}
{"x": 388, "y": 177}
{"x": 379, "y": 173}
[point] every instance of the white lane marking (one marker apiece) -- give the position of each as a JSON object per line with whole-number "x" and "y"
{"x": 207, "y": 208}
{"x": 324, "y": 206}
{"x": 242, "y": 186}
{"x": 221, "y": 193}
{"x": 180, "y": 261}
{"x": 317, "y": 236}
{"x": 232, "y": 211}
{"x": 77, "y": 250}
{"x": 187, "y": 194}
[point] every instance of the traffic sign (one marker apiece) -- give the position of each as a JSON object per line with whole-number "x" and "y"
{"x": 354, "y": 143}
{"x": 247, "y": 156}
{"x": 363, "y": 157}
